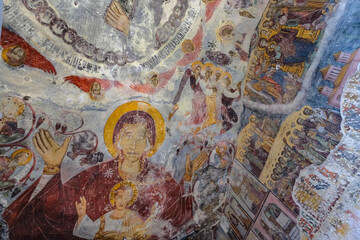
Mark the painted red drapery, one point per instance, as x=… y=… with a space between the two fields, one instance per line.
x=51 y=214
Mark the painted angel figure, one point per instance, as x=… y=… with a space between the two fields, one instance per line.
x=198 y=102
x=208 y=86
x=17 y=52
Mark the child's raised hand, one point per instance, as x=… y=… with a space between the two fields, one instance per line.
x=81 y=208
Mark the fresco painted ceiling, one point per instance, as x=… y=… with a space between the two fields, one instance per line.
x=179 y=119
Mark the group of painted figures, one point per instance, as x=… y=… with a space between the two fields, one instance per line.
x=213 y=95
x=287 y=38
x=128 y=196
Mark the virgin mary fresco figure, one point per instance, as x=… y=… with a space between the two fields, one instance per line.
x=132 y=134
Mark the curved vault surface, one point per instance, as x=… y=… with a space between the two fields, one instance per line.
x=221 y=105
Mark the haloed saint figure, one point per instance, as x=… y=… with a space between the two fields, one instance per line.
x=14 y=56
x=96 y=92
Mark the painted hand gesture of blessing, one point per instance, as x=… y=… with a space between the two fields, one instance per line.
x=81 y=208
x=51 y=152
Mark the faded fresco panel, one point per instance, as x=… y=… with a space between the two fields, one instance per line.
x=276 y=221
x=179 y=119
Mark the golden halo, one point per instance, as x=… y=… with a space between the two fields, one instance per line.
x=217 y=69
x=151 y=74
x=6 y=58
x=98 y=97
x=270 y=43
x=195 y=64
x=17 y=101
x=183 y=46
x=160 y=130
x=263 y=35
x=219 y=32
x=228 y=75
x=207 y=1
x=117 y=186
x=261 y=48
x=23 y=151
x=4 y=55
x=211 y=66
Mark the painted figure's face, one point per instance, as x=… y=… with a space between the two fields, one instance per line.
x=226 y=81
x=268 y=23
x=188 y=46
x=263 y=32
x=263 y=43
x=154 y=80
x=9 y=107
x=123 y=197
x=16 y=55
x=300 y=121
x=134 y=141
x=308 y=111
x=197 y=70
x=217 y=75
x=96 y=89
x=19 y=159
x=208 y=73
x=227 y=33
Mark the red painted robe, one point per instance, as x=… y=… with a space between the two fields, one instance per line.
x=51 y=214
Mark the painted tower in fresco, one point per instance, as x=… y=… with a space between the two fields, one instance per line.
x=339 y=75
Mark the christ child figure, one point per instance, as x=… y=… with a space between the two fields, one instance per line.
x=116 y=224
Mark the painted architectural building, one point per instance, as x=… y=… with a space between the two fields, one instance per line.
x=339 y=75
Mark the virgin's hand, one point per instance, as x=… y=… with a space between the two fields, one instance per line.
x=116 y=17
x=49 y=150
x=81 y=208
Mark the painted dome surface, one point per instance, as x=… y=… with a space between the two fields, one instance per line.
x=179 y=119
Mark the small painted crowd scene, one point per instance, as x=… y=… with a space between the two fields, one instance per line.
x=213 y=95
